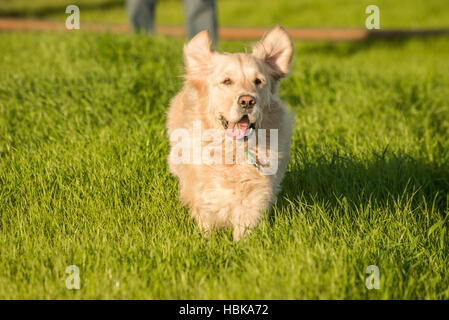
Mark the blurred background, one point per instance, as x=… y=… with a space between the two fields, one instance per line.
x=293 y=13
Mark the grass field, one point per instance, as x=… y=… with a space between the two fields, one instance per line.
x=307 y=13
x=84 y=180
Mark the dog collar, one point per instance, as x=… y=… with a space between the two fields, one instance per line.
x=251 y=159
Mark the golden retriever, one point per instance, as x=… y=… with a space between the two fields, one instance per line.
x=230 y=133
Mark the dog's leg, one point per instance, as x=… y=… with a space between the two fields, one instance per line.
x=203 y=224
x=240 y=232
x=245 y=220
x=205 y=228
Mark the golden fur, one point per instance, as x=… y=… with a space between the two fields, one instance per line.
x=231 y=195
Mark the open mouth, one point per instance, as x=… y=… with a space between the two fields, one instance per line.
x=240 y=129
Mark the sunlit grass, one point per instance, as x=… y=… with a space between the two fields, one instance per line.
x=84 y=180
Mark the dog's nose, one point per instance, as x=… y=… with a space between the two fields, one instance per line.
x=246 y=101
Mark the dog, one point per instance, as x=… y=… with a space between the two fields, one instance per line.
x=233 y=95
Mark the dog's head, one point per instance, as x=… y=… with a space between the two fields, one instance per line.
x=240 y=86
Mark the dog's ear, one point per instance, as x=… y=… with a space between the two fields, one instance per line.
x=197 y=53
x=276 y=49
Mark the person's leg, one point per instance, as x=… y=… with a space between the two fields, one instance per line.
x=200 y=15
x=141 y=14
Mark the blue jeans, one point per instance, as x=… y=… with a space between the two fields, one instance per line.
x=199 y=15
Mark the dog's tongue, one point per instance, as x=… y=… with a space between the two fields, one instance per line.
x=237 y=130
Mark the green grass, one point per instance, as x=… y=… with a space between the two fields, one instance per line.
x=84 y=180
x=308 y=13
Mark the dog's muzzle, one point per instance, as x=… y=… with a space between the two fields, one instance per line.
x=240 y=129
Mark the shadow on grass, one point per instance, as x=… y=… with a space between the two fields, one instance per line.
x=380 y=182
x=347 y=49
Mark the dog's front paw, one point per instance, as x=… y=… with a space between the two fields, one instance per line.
x=240 y=232
x=204 y=227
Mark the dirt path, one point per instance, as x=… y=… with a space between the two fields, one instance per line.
x=232 y=33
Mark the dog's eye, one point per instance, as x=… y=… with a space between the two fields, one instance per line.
x=257 y=81
x=227 y=81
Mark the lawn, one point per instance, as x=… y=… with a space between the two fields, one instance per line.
x=84 y=180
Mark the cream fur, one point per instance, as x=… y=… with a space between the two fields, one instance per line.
x=231 y=195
